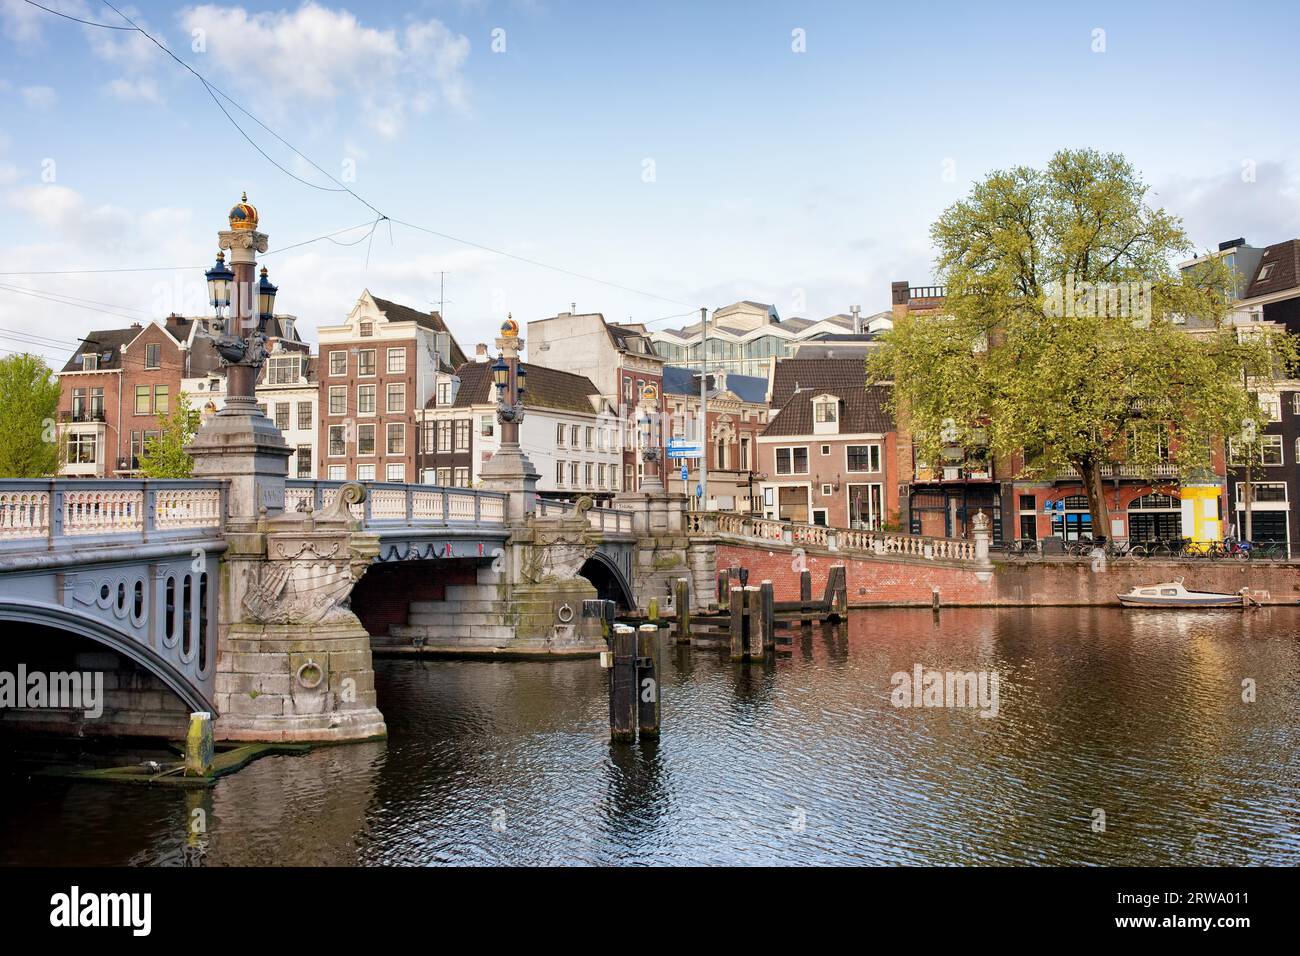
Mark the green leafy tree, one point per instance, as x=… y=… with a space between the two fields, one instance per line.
x=1068 y=338
x=164 y=454
x=29 y=406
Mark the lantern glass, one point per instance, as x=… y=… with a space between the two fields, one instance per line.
x=521 y=378
x=266 y=296
x=220 y=279
x=500 y=373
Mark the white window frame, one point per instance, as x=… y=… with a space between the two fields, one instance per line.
x=399 y=367
x=776 y=459
x=341 y=373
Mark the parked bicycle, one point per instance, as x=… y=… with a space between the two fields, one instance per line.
x=1023 y=549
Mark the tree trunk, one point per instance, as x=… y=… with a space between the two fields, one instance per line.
x=1090 y=472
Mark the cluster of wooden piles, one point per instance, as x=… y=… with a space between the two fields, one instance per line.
x=749 y=621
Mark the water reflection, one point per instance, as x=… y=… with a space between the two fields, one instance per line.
x=802 y=759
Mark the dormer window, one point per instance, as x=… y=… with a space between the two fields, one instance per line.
x=90 y=362
x=367 y=329
x=1265 y=271
x=826 y=414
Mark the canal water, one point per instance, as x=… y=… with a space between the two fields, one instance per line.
x=1138 y=715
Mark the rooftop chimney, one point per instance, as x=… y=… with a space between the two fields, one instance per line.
x=857 y=319
x=481 y=352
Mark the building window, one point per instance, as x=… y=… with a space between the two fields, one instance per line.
x=485 y=426
x=588 y=437
x=81 y=449
x=461 y=477
x=282 y=416
x=397 y=398
x=1261 y=491
x=338 y=400
x=827 y=491
x=444 y=477
x=338 y=472
x=97 y=404
x=396 y=361
x=366 y=440
x=863 y=458
x=161 y=399
x=792 y=461
x=90 y=362
x=444 y=393
x=573 y=473
x=826 y=412
x=395 y=472
x=366 y=362
x=744 y=453
x=304 y=461
x=338 y=363
x=600 y=476
x=461 y=434
x=573 y=436
x=559 y=473
x=560 y=432
x=366 y=399
x=338 y=443
x=613 y=477
x=586 y=475
x=367 y=329
x=1271 y=406
x=826 y=449
x=142 y=395
x=153 y=355
x=444 y=435
x=1270 y=450
x=283 y=369
x=365 y=472
x=78 y=404
x=396 y=439
x=304 y=415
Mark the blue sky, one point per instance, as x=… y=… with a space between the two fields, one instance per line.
x=686 y=150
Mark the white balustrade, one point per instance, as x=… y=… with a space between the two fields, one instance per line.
x=102 y=512
x=187 y=508
x=24 y=514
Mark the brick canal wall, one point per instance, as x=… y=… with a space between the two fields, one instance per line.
x=910 y=582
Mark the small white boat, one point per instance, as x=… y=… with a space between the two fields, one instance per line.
x=1174 y=594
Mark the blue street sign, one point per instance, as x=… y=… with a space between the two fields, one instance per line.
x=699 y=491
x=685 y=475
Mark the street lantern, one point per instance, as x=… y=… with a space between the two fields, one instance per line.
x=521 y=378
x=265 y=296
x=220 y=280
x=501 y=376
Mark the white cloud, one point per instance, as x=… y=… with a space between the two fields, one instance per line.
x=316 y=54
x=1230 y=205
x=21 y=21
x=127 y=90
x=9 y=174
x=40 y=97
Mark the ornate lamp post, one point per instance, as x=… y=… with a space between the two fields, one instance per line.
x=509 y=469
x=239 y=443
x=509 y=377
x=247 y=305
x=649 y=426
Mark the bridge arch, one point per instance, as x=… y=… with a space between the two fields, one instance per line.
x=611 y=584
x=83 y=625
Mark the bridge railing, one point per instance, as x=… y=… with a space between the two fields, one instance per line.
x=847 y=540
x=610 y=520
x=72 y=512
x=393 y=503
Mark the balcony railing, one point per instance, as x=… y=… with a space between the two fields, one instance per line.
x=1125 y=471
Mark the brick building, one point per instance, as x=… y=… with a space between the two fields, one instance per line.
x=570 y=433
x=737 y=415
x=830 y=449
x=620 y=360
x=377 y=367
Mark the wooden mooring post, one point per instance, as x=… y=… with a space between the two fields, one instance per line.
x=647 y=680
x=724 y=588
x=737 y=623
x=805 y=594
x=767 y=615
x=753 y=623
x=623 y=685
x=682 y=601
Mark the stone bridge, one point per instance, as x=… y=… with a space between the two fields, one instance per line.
x=163 y=574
